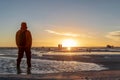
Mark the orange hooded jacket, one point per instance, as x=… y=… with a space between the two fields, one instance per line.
x=28 y=38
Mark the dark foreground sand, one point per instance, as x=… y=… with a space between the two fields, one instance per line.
x=89 y=75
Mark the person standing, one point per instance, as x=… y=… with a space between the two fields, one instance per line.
x=24 y=42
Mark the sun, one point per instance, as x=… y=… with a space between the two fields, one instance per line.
x=69 y=43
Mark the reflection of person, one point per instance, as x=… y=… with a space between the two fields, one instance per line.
x=24 y=42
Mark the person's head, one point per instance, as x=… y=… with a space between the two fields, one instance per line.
x=23 y=26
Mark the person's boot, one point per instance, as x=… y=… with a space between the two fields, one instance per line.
x=29 y=70
x=18 y=70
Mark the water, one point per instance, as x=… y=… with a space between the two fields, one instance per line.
x=40 y=66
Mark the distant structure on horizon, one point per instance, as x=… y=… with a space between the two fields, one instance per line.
x=109 y=46
x=59 y=46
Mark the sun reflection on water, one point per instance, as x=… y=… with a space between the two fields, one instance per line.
x=68 y=48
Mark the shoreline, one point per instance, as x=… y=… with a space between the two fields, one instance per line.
x=83 y=75
x=84 y=58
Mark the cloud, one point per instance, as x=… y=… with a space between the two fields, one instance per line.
x=115 y=35
x=67 y=34
x=64 y=34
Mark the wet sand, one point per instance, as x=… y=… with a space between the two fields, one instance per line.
x=110 y=61
x=85 y=75
x=94 y=58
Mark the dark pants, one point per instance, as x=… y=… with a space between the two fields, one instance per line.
x=21 y=54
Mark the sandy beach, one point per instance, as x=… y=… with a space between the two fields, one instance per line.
x=53 y=68
x=85 y=75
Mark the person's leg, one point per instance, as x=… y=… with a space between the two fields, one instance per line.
x=28 y=70
x=28 y=56
x=20 y=56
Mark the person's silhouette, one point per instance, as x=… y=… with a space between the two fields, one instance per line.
x=23 y=42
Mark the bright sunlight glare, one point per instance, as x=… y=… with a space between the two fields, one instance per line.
x=69 y=43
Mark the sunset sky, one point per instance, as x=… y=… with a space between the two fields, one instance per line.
x=87 y=22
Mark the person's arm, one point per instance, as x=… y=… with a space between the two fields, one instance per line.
x=17 y=38
x=29 y=39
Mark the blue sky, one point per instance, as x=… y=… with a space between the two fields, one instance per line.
x=96 y=20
